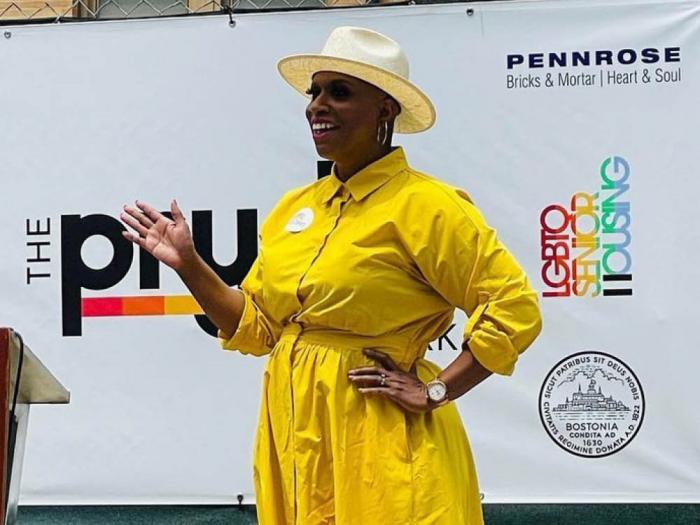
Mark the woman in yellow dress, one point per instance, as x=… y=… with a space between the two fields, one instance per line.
x=356 y=274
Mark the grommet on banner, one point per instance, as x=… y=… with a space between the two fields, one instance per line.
x=231 y=21
x=470 y=12
x=8 y=34
x=239 y=497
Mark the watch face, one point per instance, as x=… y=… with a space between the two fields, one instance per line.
x=436 y=391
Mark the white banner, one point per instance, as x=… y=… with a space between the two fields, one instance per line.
x=571 y=124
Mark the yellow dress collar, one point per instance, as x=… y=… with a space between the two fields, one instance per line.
x=369 y=178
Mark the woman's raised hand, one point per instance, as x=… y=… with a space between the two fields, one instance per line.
x=168 y=240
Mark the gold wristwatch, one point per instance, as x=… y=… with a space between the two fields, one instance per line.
x=437 y=391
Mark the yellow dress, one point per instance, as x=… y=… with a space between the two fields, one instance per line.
x=379 y=261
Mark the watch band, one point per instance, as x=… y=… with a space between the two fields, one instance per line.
x=439 y=385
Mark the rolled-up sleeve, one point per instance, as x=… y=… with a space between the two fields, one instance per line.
x=256 y=333
x=461 y=257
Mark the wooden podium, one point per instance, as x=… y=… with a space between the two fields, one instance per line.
x=36 y=385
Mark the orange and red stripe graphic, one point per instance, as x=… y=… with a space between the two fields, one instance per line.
x=140 y=305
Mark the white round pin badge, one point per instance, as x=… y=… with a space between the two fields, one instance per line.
x=301 y=220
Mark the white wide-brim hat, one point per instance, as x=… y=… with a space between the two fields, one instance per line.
x=373 y=58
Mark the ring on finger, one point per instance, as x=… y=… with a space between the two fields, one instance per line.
x=382 y=381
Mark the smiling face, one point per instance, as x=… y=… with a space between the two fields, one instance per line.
x=344 y=114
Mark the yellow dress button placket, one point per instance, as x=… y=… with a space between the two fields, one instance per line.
x=337 y=204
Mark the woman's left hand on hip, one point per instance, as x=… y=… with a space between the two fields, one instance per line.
x=387 y=379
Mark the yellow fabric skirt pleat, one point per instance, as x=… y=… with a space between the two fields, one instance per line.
x=327 y=454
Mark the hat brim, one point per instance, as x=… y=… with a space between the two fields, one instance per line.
x=417 y=111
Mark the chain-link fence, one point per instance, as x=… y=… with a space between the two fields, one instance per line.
x=57 y=10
